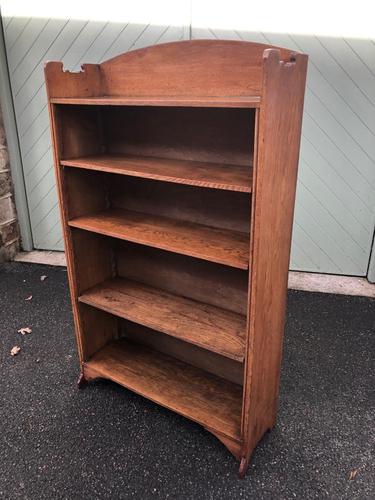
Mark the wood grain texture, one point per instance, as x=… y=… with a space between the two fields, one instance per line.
x=87 y=193
x=193 y=70
x=211 y=207
x=131 y=221
x=97 y=260
x=103 y=328
x=250 y=101
x=193 y=173
x=198 y=395
x=215 y=135
x=86 y=83
x=191 y=354
x=207 y=243
x=80 y=131
x=206 y=326
x=273 y=204
x=214 y=284
x=210 y=68
x=235 y=447
x=97 y=253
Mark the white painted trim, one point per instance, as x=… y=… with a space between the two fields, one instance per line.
x=331 y=283
x=309 y=282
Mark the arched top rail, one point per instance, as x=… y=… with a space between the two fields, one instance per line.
x=220 y=70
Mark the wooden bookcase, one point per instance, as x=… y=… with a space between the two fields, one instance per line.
x=176 y=171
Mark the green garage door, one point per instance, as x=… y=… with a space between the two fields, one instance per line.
x=335 y=208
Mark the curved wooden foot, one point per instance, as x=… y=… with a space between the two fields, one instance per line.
x=243 y=467
x=82 y=382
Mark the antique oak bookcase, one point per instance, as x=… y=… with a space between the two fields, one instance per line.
x=176 y=171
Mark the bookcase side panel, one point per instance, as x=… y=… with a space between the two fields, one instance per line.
x=278 y=143
x=93 y=329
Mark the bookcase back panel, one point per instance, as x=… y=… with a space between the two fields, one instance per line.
x=211 y=207
x=200 y=280
x=198 y=134
x=79 y=129
x=201 y=358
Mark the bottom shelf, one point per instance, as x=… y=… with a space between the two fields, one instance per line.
x=207 y=399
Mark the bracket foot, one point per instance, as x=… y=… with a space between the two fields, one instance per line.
x=243 y=467
x=82 y=382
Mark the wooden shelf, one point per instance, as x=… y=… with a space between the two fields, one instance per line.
x=222 y=246
x=207 y=399
x=193 y=173
x=176 y=101
x=206 y=326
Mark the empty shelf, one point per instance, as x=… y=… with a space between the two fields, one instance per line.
x=201 y=324
x=222 y=246
x=193 y=173
x=207 y=399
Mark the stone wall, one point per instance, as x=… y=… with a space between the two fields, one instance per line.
x=9 y=230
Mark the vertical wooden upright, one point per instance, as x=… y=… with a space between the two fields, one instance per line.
x=176 y=168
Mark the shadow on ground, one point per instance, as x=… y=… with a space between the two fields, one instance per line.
x=105 y=442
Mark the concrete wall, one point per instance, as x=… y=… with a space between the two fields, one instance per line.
x=9 y=230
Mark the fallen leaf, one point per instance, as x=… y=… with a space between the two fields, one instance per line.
x=24 y=330
x=15 y=350
x=353 y=474
x=42 y=278
x=29 y=297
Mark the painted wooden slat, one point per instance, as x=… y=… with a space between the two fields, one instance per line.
x=35 y=81
x=25 y=41
x=340 y=50
x=32 y=41
x=337 y=77
x=124 y=41
x=330 y=150
x=335 y=210
x=334 y=239
x=14 y=30
x=34 y=56
x=325 y=193
x=364 y=50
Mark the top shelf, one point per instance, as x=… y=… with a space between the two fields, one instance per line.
x=176 y=101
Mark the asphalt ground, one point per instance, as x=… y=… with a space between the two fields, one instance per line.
x=105 y=442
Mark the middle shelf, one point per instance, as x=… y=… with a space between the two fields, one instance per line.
x=222 y=246
x=193 y=173
x=204 y=325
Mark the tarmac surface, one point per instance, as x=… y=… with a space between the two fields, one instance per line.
x=105 y=442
